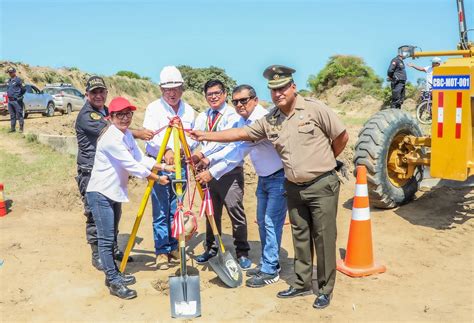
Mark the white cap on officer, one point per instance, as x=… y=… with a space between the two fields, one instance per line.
x=170 y=77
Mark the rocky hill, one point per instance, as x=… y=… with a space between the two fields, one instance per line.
x=140 y=91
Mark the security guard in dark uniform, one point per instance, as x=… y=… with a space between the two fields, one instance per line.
x=89 y=124
x=397 y=75
x=308 y=136
x=15 y=92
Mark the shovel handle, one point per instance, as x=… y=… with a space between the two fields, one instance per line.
x=183 y=188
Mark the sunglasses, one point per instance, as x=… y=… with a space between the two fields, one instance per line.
x=123 y=115
x=242 y=101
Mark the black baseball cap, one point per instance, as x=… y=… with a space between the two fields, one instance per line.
x=95 y=82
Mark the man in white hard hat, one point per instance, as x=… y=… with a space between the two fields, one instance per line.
x=435 y=62
x=157 y=116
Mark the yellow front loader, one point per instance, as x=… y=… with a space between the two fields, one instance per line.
x=392 y=146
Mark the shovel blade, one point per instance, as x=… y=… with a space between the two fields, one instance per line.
x=185 y=296
x=227 y=269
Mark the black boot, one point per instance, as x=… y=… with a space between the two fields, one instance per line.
x=11 y=130
x=122 y=291
x=126 y=280
x=95 y=258
x=21 y=129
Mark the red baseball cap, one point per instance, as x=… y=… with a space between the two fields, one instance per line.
x=119 y=103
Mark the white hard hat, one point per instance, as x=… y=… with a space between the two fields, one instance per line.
x=170 y=77
x=436 y=60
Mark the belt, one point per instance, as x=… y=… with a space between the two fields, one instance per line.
x=311 y=182
x=277 y=172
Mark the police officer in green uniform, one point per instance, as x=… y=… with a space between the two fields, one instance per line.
x=90 y=123
x=308 y=136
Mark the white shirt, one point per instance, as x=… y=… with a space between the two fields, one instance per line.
x=228 y=119
x=263 y=155
x=429 y=77
x=117 y=156
x=158 y=115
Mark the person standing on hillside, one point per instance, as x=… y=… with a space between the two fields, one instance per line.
x=90 y=122
x=308 y=136
x=157 y=116
x=15 y=92
x=397 y=76
x=228 y=190
x=271 y=194
x=435 y=62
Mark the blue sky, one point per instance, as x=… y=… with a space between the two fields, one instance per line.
x=243 y=37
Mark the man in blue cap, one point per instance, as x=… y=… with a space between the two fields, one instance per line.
x=15 y=92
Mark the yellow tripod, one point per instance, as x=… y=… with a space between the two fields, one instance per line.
x=223 y=263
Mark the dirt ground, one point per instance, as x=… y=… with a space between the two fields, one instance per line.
x=46 y=273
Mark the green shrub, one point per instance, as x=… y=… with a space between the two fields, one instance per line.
x=52 y=77
x=342 y=69
x=129 y=74
x=3 y=78
x=195 y=78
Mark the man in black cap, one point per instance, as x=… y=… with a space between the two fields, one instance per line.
x=89 y=125
x=397 y=76
x=15 y=92
x=308 y=136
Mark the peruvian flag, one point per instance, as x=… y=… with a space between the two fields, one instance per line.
x=177 y=228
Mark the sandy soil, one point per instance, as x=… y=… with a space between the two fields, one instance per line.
x=46 y=274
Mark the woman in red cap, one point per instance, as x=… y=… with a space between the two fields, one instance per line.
x=117 y=157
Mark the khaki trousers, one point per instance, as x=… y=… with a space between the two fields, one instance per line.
x=313 y=210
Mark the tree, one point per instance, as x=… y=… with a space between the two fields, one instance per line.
x=195 y=78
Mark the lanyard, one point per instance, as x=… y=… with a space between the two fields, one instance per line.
x=211 y=126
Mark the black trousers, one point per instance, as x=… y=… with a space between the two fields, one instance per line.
x=398 y=94
x=228 y=191
x=15 y=108
x=82 y=178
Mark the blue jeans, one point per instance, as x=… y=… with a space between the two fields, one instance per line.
x=271 y=212
x=106 y=213
x=164 y=202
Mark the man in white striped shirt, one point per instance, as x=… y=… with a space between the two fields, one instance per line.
x=271 y=194
x=228 y=191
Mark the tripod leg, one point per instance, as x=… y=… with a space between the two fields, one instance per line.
x=141 y=210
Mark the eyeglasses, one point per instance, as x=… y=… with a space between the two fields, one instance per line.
x=171 y=89
x=211 y=94
x=122 y=115
x=242 y=101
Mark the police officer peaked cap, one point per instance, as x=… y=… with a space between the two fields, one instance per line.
x=11 y=70
x=95 y=82
x=278 y=76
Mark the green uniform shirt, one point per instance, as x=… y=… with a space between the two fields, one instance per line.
x=303 y=139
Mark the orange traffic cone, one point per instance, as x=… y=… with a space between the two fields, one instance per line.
x=359 y=260
x=3 y=204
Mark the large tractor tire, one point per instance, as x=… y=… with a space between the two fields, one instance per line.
x=378 y=142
